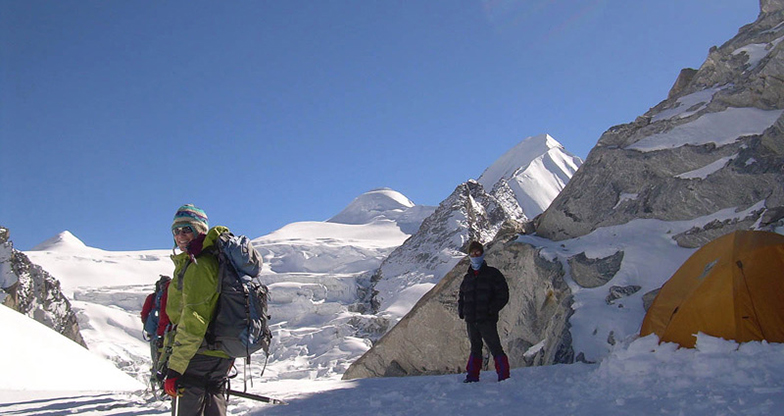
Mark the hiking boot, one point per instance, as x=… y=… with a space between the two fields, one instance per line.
x=502 y=366
x=473 y=367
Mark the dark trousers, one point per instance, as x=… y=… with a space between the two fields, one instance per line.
x=486 y=331
x=203 y=387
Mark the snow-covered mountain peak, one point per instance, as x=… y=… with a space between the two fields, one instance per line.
x=382 y=202
x=518 y=157
x=65 y=241
x=536 y=169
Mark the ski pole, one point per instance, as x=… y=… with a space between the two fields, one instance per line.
x=256 y=397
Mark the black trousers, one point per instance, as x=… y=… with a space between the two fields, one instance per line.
x=486 y=331
x=203 y=387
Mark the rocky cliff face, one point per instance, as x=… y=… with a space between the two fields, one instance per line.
x=524 y=181
x=704 y=162
x=417 y=265
x=518 y=186
x=714 y=143
x=431 y=338
x=771 y=6
x=28 y=289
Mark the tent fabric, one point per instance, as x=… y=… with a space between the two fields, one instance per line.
x=732 y=287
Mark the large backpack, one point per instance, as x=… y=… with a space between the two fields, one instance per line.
x=240 y=326
x=151 y=324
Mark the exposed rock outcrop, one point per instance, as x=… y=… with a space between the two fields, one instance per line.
x=469 y=213
x=770 y=6
x=518 y=186
x=431 y=338
x=30 y=290
x=715 y=143
x=588 y=272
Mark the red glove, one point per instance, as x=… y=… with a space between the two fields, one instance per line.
x=170 y=384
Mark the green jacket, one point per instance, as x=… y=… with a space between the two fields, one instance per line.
x=192 y=298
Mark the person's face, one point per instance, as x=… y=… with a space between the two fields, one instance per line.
x=183 y=236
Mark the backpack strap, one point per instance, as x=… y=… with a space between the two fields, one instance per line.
x=215 y=250
x=181 y=275
x=158 y=297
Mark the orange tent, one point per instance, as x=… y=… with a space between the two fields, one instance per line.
x=732 y=287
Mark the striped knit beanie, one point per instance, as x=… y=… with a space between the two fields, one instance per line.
x=189 y=214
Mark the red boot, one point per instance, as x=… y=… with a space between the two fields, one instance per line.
x=502 y=366
x=473 y=368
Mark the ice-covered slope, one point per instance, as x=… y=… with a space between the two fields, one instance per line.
x=323 y=247
x=76 y=265
x=311 y=268
x=384 y=204
x=354 y=241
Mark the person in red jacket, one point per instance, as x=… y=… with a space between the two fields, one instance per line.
x=155 y=319
x=149 y=302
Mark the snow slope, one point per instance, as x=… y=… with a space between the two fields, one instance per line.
x=638 y=378
x=34 y=357
x=647 y=262
x=719 y=128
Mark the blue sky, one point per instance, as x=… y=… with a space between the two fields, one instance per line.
x=264 y=113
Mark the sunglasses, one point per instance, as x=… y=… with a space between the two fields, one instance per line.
x=186 y=229
x=475 y=253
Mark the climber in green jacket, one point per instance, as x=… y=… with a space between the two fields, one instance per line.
x=196 y=376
